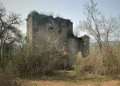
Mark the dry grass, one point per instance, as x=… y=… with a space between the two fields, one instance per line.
x=105 y=63
x=65 y=83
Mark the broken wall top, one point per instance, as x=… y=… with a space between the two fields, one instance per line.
x=43 y=19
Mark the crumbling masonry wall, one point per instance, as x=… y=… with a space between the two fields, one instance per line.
x=56 y=31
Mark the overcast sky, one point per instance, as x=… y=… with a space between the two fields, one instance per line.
x=70 y=9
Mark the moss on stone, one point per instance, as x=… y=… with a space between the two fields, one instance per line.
x=85 y=39
x=40 y=18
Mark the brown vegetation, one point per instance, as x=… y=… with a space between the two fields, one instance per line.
x=105 y=63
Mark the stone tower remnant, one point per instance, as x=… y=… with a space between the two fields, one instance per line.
x=42 y=28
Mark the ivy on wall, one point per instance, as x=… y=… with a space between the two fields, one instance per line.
x=40 y=18
x=85 y=39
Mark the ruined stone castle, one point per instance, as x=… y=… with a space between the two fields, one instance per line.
x=57 y=31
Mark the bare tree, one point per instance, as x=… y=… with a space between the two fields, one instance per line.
x=8 y=28
x=110 y=29
x=97 y=25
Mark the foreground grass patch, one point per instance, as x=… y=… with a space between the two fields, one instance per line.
x=118 y=84
x=68 y=77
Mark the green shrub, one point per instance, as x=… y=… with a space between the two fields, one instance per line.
x=78 y=67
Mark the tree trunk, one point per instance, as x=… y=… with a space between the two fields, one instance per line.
x=99 y=45
x=1 y=52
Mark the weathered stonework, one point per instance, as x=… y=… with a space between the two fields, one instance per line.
x=59 y=32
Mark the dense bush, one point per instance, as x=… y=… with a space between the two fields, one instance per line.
x=7 y=80
x=33 y=62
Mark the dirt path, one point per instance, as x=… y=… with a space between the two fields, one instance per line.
x=64 y=83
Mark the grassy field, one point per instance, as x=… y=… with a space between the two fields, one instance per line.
x=61 y=78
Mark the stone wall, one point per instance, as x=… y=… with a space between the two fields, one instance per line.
x=73 y=47
x=57 y=32
x=54 y=31
x=84 y=45
x=29 y=30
